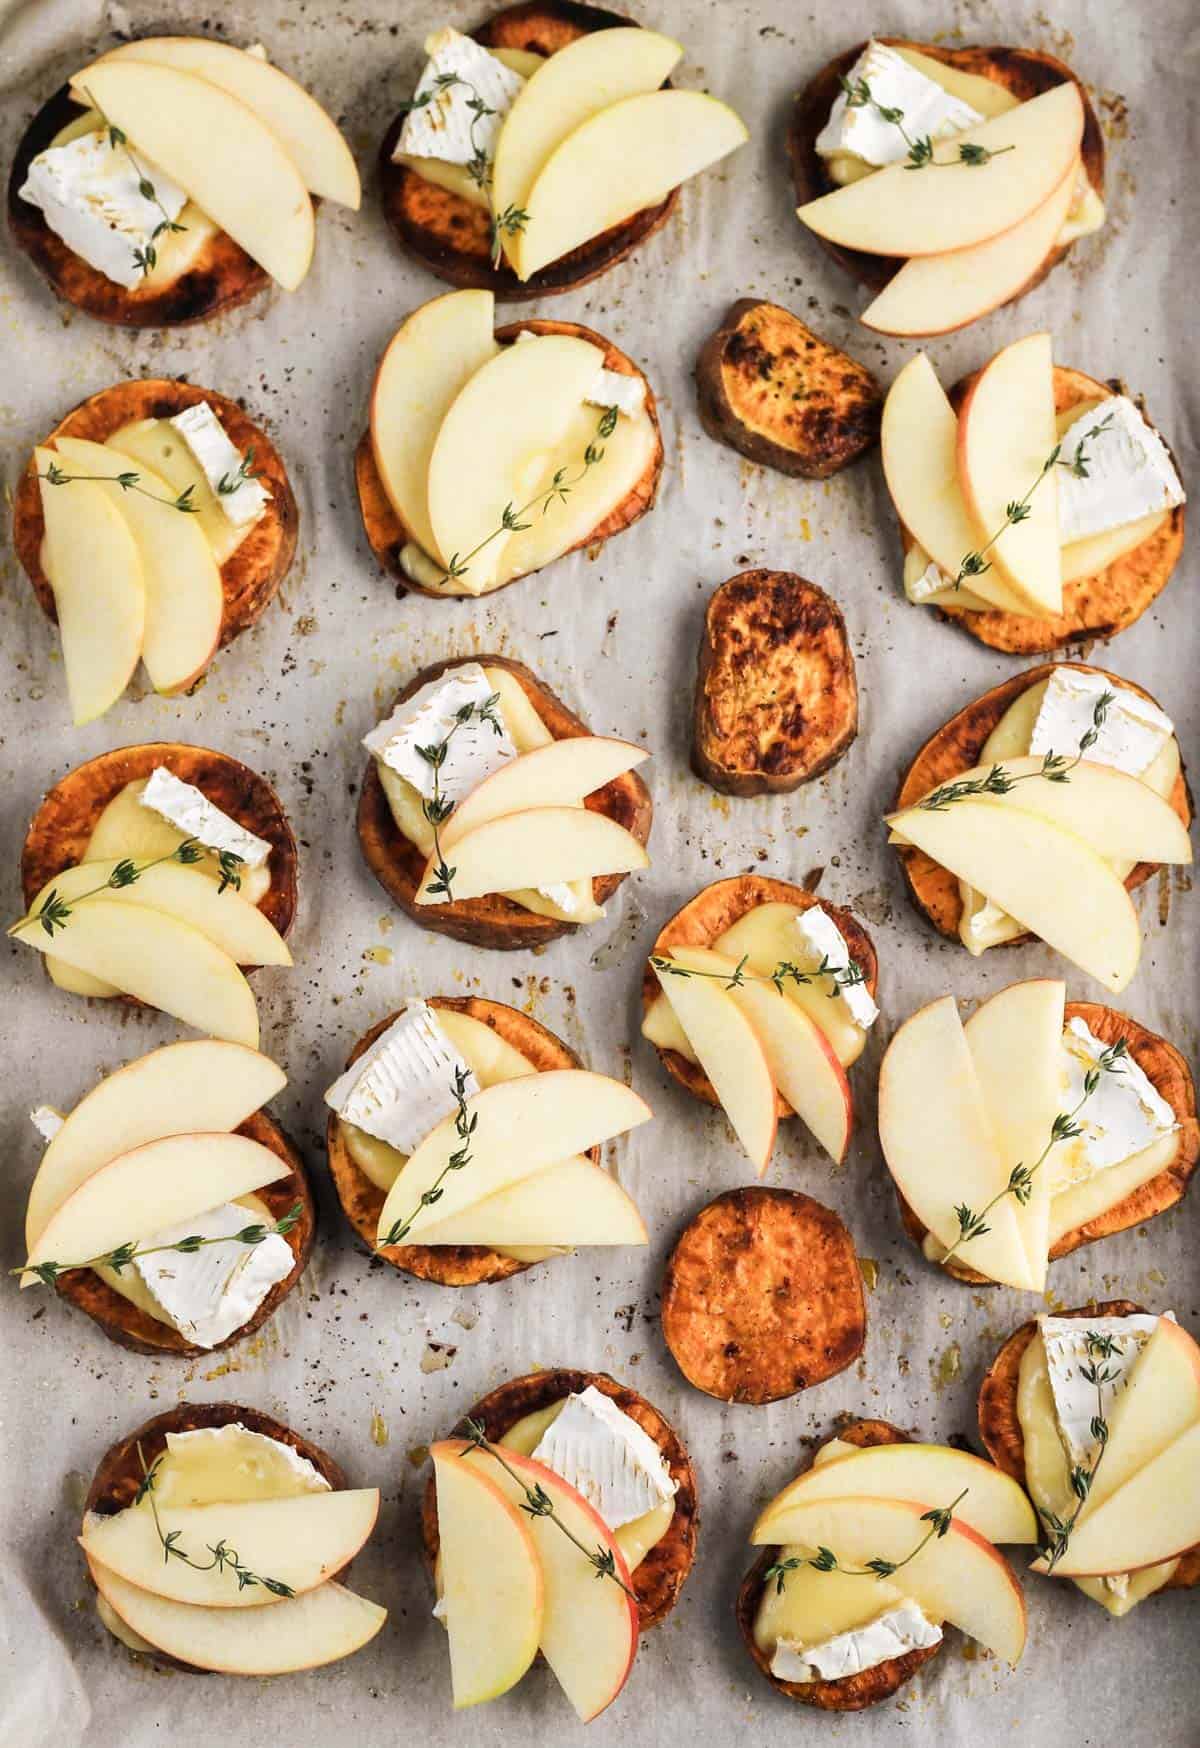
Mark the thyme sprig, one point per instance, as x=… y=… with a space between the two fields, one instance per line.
x=224 y=1558
x=841 y=977
x=437 y=808
x=1055 y=768
x=538 y=1503
x=464 y=1124
x=146 y=258
x=479 y=166
x=123 y=1255
x=973 y=564
x=128 y=482
x=1020 y=1181
x=825 y=1560
x=55 y=912
x=505 y=224
x=920 y=149
x=245 y=470
x=1100 y=1348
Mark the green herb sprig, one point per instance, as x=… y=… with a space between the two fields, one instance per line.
x=128 y=482
x=505 y=224
x=825 y=1560
x=479 y=167
x=224 y=1558
x=1055 y=768
x=841 y=977
x=55 y=912
x=145 y=258
x=437 y=808
x=245 y=470
x=125 y=1254
x=920 y=150
x=464 y=1123
x=1100 y=1348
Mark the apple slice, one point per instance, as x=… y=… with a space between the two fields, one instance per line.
x=299 y=1542
x=427 y=364
x=307 y=134
x=232 y=165
x=1152 y=1517
x=1088 y=557
x=160 y=960
x=492 y=445
x=628 y=156
x=156 y=444
x=940 y=1142
x=802 y=1064
x=958 y=1577
x=559 y=774
x=1006 y=435
x=766 y=937
x=572 y=1203
x=1015 y=1041
x=95 y=570
x=536 y=848
x=934 y=294
x=523 y=1126
x=590 y=1628
x=1041 y=874
x=1088 y=1201
x=492 y=1579
x=149 y=1189
x=727 y=1045
x=901 y=211
x=203 y=1086
x=580 y=79
x=1158 y=1405
x=302 y=1632
x=241 y=931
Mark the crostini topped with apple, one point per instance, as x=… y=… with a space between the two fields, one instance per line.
x=464 y=1141
x=168 y=1205
x=870 y=137
x=218 y=1540
x=1037 y=505
x=1037 y=1126
x=543 y=148
x=172 y=179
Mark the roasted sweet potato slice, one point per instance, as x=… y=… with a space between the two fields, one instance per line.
x=1024 y=72
x=1000 y=1424
x=957 y=747
x=387 y=533
x=131 y=1327
x=219 y=279
x=763 y=1297
x=1168 y=1072
x=491 y=921
x=1098 y=606
x=776 y=696
x=251 y=576
x=713 y=911
x=662 y=1574
x=450 y=1265
x=853 y=1693
x=783 y=397
x=452 y=237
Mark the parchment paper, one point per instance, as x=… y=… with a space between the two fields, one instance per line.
x=358 y=1345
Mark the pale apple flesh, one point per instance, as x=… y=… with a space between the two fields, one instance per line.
x=538 y=847
x=1152 y=1517
x=1159 y=1404
x=572 y=1203
x=802 y=1064
x=558 y=774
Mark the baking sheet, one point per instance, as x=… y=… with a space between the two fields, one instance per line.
x=358 y=1347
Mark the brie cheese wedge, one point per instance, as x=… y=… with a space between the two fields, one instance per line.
x=607 y=1457
x=829 y=947
x=207 y=1294
x=901 y=1629
x=404 y=1084
x=1124 y=1114
x=190 y=811
x=1076 y=1399
x=1128 y=471
x=858 y=129
x=90 y=193
x=473 y=751
x=230 y=1463
x=1130 y=736
x=459 y=106
x=242 y=497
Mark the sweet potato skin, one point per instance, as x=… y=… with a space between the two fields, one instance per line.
x=772 y=389
x=776 y=699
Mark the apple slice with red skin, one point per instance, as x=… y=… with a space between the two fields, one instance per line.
x=558 y=774
x=802 y=1064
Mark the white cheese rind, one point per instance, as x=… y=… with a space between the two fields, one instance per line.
x=403 y=1085
x=1075 y=1398
x=191 y=812
x=1129 y=471
x=207 y=1294
x=47 y=1121
x=828 y=943
x=927 y=109
x=1130 y=738
x=1124 y=1114
x=614 y=388
x=607 y=1457
x=203 y=1440
x=90 y=195
x=447 y=127
x=426 y=719
x=220 y=460
x=901 y=1629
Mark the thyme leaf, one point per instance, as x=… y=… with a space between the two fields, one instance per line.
x=128 y=482
x=224 y=1558
x=55 y=912
x=840 y=977
x=464 y=1124
x=920 y=149
x=939 y=1520
x=1055 y=768
x=123 y=1255
x=438 y=808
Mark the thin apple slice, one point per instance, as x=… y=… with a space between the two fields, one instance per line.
x=901 y=211
x=536 y=848
x=590 y=1627
x=492 y=1580
x=149 y=1189
x=558 y=774
x=1046 y=877
x=575 y=1202
x=802 y=1064
x=768 y=936
x=202 y=1086
x=299 y=1542
x=302 y=1632
x=993 y=1505
x=307 y=134
x=940 y=1142
x=628 y=156
x=241 y=931
x=160 y=960
x=523 y=1127
x=934 y=294
x=232 y=165
x=1154 y=1516
x=1075 y=1206
x=727 y=1045
x=1157 y=1406
x=1006 y=437
x=1087 y=558
x=94 y=567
